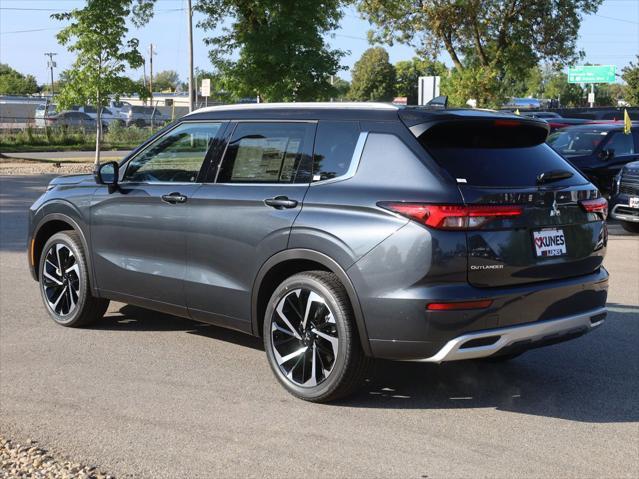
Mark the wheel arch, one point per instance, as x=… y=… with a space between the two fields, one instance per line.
x=49 y=225
x=292 y=261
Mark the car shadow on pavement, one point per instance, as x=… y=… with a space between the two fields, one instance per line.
x=591 y=379
x=134 y=318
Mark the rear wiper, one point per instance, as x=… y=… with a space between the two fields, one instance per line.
x=553 y=175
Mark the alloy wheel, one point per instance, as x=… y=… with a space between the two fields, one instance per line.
x=304 y=337
x=61 y=279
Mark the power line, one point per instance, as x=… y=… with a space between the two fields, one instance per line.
x=29 y=31
x=616 y=19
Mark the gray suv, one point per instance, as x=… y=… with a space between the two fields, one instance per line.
x=338 y=233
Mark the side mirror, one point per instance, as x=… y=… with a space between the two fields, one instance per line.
x=107 y=174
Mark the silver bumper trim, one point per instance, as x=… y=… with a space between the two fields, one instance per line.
x=621 y=216
x=453 y=350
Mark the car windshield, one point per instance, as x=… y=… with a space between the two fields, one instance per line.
x=581 y=142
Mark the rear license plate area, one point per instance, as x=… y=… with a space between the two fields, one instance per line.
x=549 y=242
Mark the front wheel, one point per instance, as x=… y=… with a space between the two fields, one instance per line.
x=630 y=227
x=311 y=340
x=64 y=282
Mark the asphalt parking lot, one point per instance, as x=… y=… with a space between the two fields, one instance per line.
x=150 y=395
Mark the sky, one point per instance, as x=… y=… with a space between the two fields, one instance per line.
x=611 y=36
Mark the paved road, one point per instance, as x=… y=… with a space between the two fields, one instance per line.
x=151 y=395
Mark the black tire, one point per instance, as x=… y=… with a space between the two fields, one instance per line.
x=65 y=290
x=630 y=227
x=348 y=366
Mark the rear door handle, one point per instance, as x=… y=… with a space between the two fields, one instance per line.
x=174 y=198
x=280 y=202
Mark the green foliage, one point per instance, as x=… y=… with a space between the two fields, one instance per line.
x=274 y=49
x=373 y=77
x=630 y=75
x=342 y=88
x=57 y=137
x=96 y=33
x=499 y=40
x=13 y=82
x=569 y=94
x=167 y=80
x=479 y=83
x=408 y=73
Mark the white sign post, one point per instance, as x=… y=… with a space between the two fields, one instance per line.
x=205 y=90
x=428 y=88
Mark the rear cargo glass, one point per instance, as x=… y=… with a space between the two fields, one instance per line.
x=493 y=156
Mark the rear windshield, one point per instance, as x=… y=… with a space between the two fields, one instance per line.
x=502 y=158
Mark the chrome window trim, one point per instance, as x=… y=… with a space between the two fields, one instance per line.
x=122 y=181
x=354 y=163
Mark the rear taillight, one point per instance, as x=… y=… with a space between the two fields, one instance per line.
x=460 y=305
x=599 y=205
x=453 y=217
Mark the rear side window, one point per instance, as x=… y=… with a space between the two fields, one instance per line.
x=267 y=153
x=334 y=146
x=504 y=157
x=621 y=143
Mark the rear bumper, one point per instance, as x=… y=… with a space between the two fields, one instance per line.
x=493 y=341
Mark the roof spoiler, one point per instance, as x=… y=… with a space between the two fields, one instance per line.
x=438 y=102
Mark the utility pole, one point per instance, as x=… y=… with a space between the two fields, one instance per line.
x=51 y=64
x=189 y=16
x=144 y=72
x=151 y=53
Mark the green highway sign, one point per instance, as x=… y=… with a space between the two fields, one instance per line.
x=592 y=74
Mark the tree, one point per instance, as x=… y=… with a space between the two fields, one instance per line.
x=13 y=82
x=568 y=94
x=96 y=34
x=408 y=73
x=342 y=88
x=500 y=40
x=630 y=75
x=373 y=77
x=274 y=49
x=167 y=80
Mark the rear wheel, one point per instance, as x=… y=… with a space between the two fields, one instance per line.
x=311 y=340
x=630 y=227
x=64 y=282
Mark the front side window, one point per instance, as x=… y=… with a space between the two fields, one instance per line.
x=176 y=156
x=334 y=146
x=267 y=153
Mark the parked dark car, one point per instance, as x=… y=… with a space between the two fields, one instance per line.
x=338 y=233
x=624 y=204
x=141 y=116
x=598 y=150
x=72 y=119
x=544 y=115
x=558 y=123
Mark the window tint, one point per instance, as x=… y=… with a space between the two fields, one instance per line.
x=579 y=142
x=621 y=143
x=266 y=153
x=89 y=109
x=176 y=156
x=503 y=167
x=334 y=146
